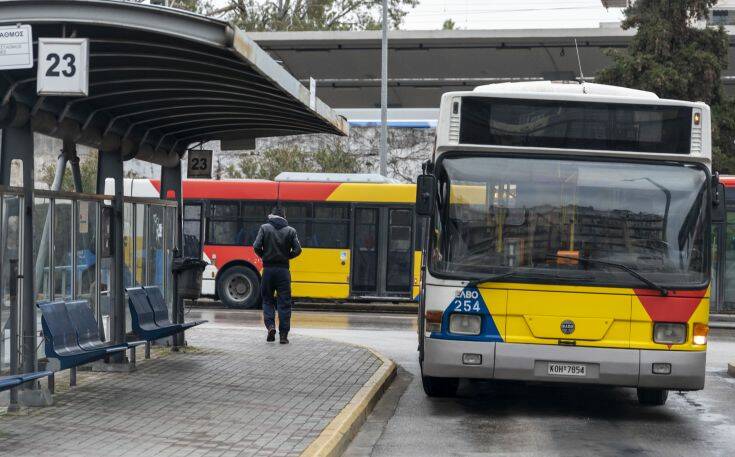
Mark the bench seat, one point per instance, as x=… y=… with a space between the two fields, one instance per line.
x=8 y=382
x=62 y=342
x=149 y=314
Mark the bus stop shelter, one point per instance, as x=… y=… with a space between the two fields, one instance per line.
x=160 y=81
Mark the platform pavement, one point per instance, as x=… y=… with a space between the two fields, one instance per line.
x=231 y=394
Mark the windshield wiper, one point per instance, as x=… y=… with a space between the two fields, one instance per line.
x=662 y=290
x=495 y=277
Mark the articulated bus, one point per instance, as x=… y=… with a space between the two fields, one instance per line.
x=722 y=298
x=569 y=239
x=357 y=232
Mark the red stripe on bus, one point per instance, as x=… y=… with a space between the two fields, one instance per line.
x=227 y=190
x=307 y=191
x=678 y=306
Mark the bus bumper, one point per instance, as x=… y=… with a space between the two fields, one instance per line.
x=529 y=362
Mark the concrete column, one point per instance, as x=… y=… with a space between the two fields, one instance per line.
x=110 y=165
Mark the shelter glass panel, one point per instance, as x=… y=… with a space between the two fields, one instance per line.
x=140 y=242
x=61 y=249
x=86 y=247
x=41 y=209
x=156 y=253
x=128 y=245
x=9 y=253
x=169 y=230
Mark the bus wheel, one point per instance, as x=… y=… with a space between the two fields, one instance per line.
x=239 y=287
x=652 y=397
x=440 y=387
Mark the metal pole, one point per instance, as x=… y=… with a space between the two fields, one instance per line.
x=14 y=340
x=43 y=248
x=384 y=95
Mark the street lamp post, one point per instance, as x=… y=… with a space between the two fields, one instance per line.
x=384 y=95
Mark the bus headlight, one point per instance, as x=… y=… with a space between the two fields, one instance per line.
x=465 y=324
x=668 y=333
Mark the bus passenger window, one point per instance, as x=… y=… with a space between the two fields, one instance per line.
x=330 y=227
x=192 y=230
x=223 y=226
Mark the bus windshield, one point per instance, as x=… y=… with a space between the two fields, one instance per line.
x=535 y=216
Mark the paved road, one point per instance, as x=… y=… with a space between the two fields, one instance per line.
x=519 y=419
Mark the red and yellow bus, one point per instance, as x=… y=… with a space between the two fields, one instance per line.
x=358 y=233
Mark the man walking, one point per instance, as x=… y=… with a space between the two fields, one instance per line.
x=277 y=243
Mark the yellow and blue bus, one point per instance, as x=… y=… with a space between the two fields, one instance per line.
x=569 y=239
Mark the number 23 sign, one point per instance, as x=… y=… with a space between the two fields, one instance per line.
x=63 y=66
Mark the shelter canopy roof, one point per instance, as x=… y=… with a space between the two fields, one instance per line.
x=160 y=80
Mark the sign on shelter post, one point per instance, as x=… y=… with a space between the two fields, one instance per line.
x=16 y=47
x=199 y=164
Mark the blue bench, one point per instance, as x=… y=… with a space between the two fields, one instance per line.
x=72 y=337
x=8 y=382
x=149 y=314
x=160 y=310
x=87 y=329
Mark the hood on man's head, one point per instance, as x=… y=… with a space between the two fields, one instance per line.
x=277 y=221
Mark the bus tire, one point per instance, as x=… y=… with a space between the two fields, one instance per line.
x=440 y=387
x=652 y=397
x=239 y=287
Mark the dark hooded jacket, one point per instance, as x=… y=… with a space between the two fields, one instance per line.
x=277 y=242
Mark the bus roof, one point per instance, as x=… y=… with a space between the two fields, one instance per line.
x=564 y=87
x=294 y=176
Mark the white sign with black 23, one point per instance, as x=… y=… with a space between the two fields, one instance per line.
x=63 y=67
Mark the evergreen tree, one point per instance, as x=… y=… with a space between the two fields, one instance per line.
x=673 y=57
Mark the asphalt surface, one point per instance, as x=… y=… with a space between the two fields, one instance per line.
x=501 y=418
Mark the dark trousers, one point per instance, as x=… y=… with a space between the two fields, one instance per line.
x=276 y=280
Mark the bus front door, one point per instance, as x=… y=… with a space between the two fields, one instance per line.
x=382 y=254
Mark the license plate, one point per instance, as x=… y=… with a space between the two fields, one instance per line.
x=567 y=369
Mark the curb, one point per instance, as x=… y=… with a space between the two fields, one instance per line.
x=731 y=369
x=335 y=438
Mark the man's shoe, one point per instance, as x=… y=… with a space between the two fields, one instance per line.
x=271 y=335
x=284 y=338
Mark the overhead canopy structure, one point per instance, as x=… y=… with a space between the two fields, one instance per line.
x=160 y=80
x=424 y=64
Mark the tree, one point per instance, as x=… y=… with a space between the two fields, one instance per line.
x=87 y=168
x=271 y=162
x=673 y=58
x=449 y=24
x=301 y=15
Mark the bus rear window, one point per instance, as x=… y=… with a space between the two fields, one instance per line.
x=576 y=125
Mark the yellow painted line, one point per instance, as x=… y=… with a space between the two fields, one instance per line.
x=335 y=438
x=314 y=320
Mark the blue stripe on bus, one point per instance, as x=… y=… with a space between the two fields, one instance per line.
x=464 y=305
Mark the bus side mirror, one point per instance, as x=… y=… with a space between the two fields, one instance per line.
x=718 y=203
x=425 y=194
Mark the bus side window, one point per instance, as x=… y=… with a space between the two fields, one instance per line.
x=223 y=225
x=330 y=226
x=298 y=214
x=192 y=230
x=254 y=214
